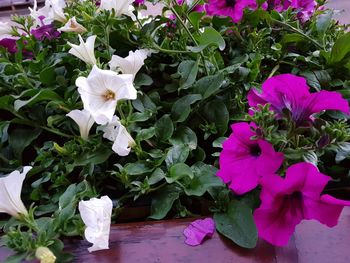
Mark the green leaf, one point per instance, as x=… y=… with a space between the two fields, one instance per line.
x=68 y=196
x=178 y=171
x=48 y=75
x=177 y=154
x=216 y=112
x=204 y=178
x=209 y=85
x=20 y=138
x=164 y=128
x=237 y=224
x=143 y=80
x=137 y=168
x=184 y=135
x=145 y=134
x=188 y=70
x=100 y=155
x=163 y=200
x=156 y=176
x=182 y=107
x=209 y=37
x=15 y=258
x=36 y=96
x=340 y=49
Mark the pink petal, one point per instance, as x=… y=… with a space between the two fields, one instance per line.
x=198 y=230
x=327 y=100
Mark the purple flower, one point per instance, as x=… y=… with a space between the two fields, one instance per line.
x=231 y=8
x=306 y=8
x=45 y=31
x=198 y=230
x=243 y=160
x=286 y=202
x=9 y=44
x=290 y=92
x=139 y=2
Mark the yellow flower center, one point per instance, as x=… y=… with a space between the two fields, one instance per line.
x=109 y=95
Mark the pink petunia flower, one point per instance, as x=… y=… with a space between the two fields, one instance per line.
x=243 y=160
x=198 y=230
x=9 y=44
x=306 y=8
x=231 y=8
x=286 y=202
x=290 y=92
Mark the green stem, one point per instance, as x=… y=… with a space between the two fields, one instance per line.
x=291 y=28
x=274 y=71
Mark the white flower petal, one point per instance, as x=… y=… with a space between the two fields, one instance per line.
x=5 y=29
x=72 y=26
x=96 y=214
x=10 y=193
x=121 y=7
x=130 y=64
x=85 y=50
x=84 y=120
x=101 y=90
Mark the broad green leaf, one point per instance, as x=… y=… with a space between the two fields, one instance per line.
x=48 y=75
x=216 y=112
x=340 y=49
x=164 y=128
x=208 y=85
x=184 y=135
x=209 y=37
x=137 y=168
x=237 y=224
x=177 y=154
x=156 y=176
x=36 y=96
x=188 y=70
x=178 y=171
x=204 y=178
x=68 y=196
x=163 y=200
x=100 y=155
x=145 y=134
x=20 y=138
x=143 y=80
x=182 y=107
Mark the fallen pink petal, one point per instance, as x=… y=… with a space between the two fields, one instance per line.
x=198 y=230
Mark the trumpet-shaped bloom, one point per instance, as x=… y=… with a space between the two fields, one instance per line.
x=101 y=91
x=10 y=193
x=231 y=8
x=291 y=92
x=52 y=11
x=85 y=51
x=198 y=230
x=286 y=202
x=45 y=32
x=243 y=160
x=121 y=7
x=5 y=29
x=84 y=120
x=96 y=215
x=117 y=133
x=72 y=26
x=130 y=64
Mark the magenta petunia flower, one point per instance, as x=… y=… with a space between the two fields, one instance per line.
x=198 y=230
x=9 y=44
x=290 y=92
x=139 y=2
x=45 y=31
x=231 y=8
x=306 y=8
x=286 y=202
x=243 y=160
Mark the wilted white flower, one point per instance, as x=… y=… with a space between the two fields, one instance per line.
x=72 y=26
x=96 y=214
x=130 y=64
x=45 y=255
x=5 y=29
x=85 y=50
x=117 y=133
x=10 y=193
x=84 y=120
x=121 y=7
x=101 y=91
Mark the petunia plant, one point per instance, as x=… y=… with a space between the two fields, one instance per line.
x=234 y=109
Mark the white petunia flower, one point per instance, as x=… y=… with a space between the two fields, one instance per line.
x=45 y=255
x=72 y=26
x=5 y=29
x=121 y=7
x=51 y=11
x=101 y=91
x=84 y=120
x=130 y=64
x=10 y=193
x=85 y=50
x=117 y=133
x=96 y=214
x=56 y=11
